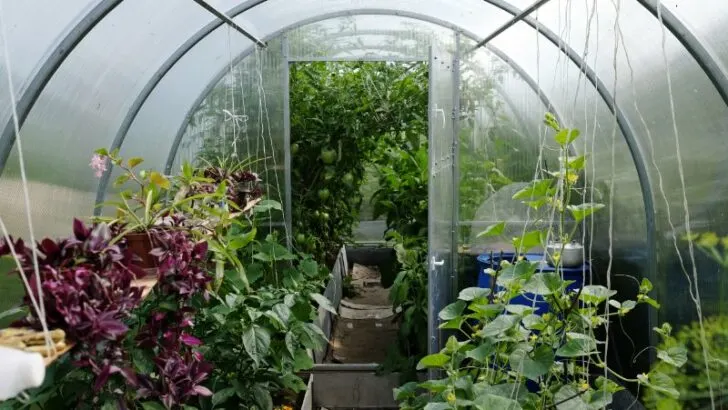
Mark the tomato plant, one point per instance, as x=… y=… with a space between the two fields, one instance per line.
x=341 y=114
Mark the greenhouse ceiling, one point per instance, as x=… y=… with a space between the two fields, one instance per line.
x=105 y=71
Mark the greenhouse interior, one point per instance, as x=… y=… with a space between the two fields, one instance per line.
x=337 y=204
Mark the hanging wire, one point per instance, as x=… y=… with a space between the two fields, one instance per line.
x=694 y=288
x=38 y=305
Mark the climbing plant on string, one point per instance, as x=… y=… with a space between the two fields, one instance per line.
x=516 y=356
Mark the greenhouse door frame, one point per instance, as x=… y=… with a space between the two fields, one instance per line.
x=442 y=278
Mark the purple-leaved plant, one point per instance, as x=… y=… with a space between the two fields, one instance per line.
x=87 y=291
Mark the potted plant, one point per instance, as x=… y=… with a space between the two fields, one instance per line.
x=139 y=209
x=87 y=291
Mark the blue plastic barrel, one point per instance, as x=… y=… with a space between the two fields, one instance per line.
x=527 y=299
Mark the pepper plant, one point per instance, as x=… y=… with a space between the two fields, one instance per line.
x=504 y=355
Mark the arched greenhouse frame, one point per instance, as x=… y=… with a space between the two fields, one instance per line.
x=645 y=83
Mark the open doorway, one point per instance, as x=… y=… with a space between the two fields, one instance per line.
x=359 y=176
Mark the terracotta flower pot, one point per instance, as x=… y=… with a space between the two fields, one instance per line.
x=140 y=244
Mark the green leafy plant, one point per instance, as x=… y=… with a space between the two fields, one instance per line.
x=140 y=209
x=340 y=118
x=409 y=297
x=686 y=346
x=683 y=362
x=504 y=355
x=275 y=326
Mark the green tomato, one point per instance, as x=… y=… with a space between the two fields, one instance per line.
x=323 y=194
x=348 y=178
x=328 y=156
x=294 y=149
x=329 y=174
x=300 y=238
x=325 y=216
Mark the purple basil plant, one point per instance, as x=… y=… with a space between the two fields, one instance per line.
x=87 y=291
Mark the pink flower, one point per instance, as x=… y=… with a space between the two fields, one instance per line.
x=98 y=164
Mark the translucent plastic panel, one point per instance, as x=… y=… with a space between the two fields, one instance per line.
x=242 y=118
x=500 y=144
x=472 y=16
x=697 y=151
x=83 y=104
x=33 y=27
x=706 y=20
x=403 y=37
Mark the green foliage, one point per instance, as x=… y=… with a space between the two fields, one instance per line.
x=409 y=297
x=258 y=341
x=256 y=323
x=683 y=362
x=505 y=356
x=341 y=114
x=403 y=188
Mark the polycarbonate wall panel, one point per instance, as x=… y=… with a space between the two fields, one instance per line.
x=643 y=92
x=473 y=16
x=83 y=104
x=706 y=20
x=500 y=143
x=33 y=27
x=243 y=116
x=365 y=35
x=441 y=190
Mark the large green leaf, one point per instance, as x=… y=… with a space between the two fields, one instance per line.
x=452 y=311
x=469 y=294
x=482 y=352
x=437 y=360
x=221 y=396
x=535 y=190
x=529 y=241
x=520 y=270
x=438 y=406
x=568 y=398
x=493 y=230
x=596 y=294
x=579 y=212
x=262 y=397
x=660 y=382
x=256 y=341
x=493 y=402
x=309 y=268
x=302 y=361
x=532 y=364
x=499 y=325
x=577 y=344
x=310 y=335
x=539 y=284
x=324 y=303
x=241 y=241
x=566 y=136
x=267 y=205
x=676 y=355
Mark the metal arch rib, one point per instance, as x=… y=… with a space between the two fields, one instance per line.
x=703 y=55
x=623 y=123
x=45 y=71
x=149 y=87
